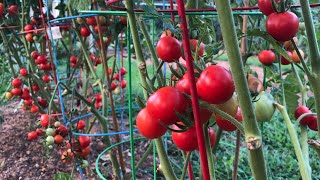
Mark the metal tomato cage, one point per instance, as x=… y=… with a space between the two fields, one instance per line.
x=121 y=11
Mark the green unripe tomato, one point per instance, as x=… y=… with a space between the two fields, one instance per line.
x=49 y=140
x=50 y=132
x=50 y=147
x=264 y=107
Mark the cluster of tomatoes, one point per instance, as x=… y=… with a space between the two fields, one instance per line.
x=118 y=77
x=282 y=26
x=54 y=133
x=12 y=10
x=311 y=121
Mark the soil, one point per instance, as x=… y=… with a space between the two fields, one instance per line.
x=21 y=158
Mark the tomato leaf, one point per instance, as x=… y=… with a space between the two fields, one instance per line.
x=185 y=120
x=140 y=102
x=175 y=73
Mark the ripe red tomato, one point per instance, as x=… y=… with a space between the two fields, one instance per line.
x=123 y=20
x=13 y=10
x=16 y=91
x=58 y=139
x=205 y=115
x=313 y=124
x=98 y=61
x=123 y=71
x=46 y=78
x=43 y=102
x=23 y=72
x=85 y=152
x=212 y=136
x=183 y=85
x=194 y=44
x=42 y=58
x=34 y=109
x=149 y=126
x=300 y=110
x=285 y=61
x=34 y=54
x=164 y=103
x=215 y=85
x=169 y=49
x=84 y=141
x=91 y=21
x=62 y=130
x=116 y=77
x=186 y=141
x=267 y=57
x=98 y=97
x=28 y=27
x=25 y=94
x=265 y=6
x=109 y=71
x=98 y=104
x=123 y=84
x=45 y=66
x=102 y=28
x=73 y=59
x=113 y=85
x=16 y=82
x=1 y=9
x=81 y=125
x=282 y=26
x=28 y=102
x=67 y=156
x=44 y=120
x=39 y=132
x=32 y=135
x=225 y=124
x=35 y=88
x=85 y=32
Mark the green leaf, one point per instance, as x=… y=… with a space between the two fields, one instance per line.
x=140 y=102
x=62 y=176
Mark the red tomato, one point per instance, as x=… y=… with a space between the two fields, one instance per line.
x=25 y=94
x=67 y=156
x=98 y=61
x=32 y=135
x=205 y=115
x=16 y=82
x=102 y=28
x=34 y=109
x=85 y=152
x=148 y=126
x=34 y=55
x=98 y=97
x=265 y=6
x=73 y=59
x=43 y=102
x=62 y=130
x=85 y=32
x=166 y=33
x=113 y=85
x=1 y=9
x=91 y=21
x=109 y=71
x=186 y=141
x=23 y=72
x=28 y=27
x=183 y=85
x=84 y=141
x=81 y=124
x=35 y=88
x=29 y=37
x=282 y=26
x=123 y=84
x=169 y=49
x=98 y=105
x=225 y=124
x=165 y=102
x=44 y=120
x=215 y=85
x=313 y=124
x=13 y=10
x=123 y=71
x=285 y=61
x=212 y=136
x=39 y=132
x=58 y=139
x=123 y=20
x=267 y=57
x=16 y=91
x=28 y=102
x=300 y=110
x=46 y=78
x=41 y=59
x=116 y=77
x=194 y=44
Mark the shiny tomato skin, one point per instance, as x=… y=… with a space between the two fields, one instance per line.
x=186 y=141
x=32 y=135
x=193 y=46
x=28 y=27
x=169 y=49
x=227 y=125
x=2 y=7
x=313 y=124
x=85 y=32
x=84 y=141
x=148 y=126
x=16 y=91
x=46 y=78
x=215 y=85
x=91 y=21
x=81 y=125
x=58 y=139
x=23 y=72
x=267 y=57
x=183 y=85
x=212 y=136
x=34 y=109
x=285 y=61
x=13 y=10
x=265 y=6
x=16 y=82
x=282 y=26
x=85 y=152
x=164 y=103
x=300 y=110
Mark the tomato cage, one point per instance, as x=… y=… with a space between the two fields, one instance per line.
x=80 y=89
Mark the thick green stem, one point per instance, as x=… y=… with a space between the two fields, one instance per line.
x=314 y=55
x=252 y=132
x=164 y=160
x=295 y=141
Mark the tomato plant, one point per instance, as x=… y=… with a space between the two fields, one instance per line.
x=169 y=49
